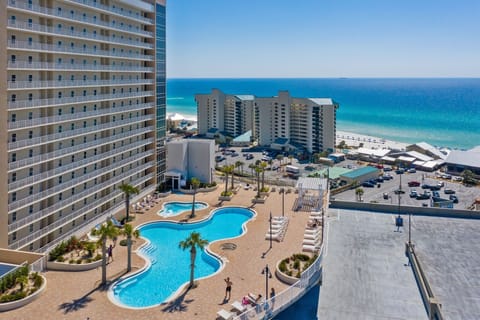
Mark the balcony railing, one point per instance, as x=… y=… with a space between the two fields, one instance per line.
x=68 y=16
x=69 y=117
x=38 y=178
x=42 y=232
x=75 y=149
x=110 y=9
x=53 y=66
x=83 y=51
x=50 y=192
x=67 y=134
x=22 y=25
x=41 y=84
x=52 y=102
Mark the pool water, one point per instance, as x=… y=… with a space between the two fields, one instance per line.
x=171 y=209
x=5 y=268
x=170 y=265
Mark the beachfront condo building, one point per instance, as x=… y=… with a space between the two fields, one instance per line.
x=83 y=96
x=281 y=121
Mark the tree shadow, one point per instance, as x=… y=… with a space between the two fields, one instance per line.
x=180 y=304
x=82 y=302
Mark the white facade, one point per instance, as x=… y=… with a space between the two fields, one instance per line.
x=191 y=158
x=308 y=123
x=78 y=115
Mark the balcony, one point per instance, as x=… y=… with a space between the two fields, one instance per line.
x=117 y=11
x=57 y=171
x=57 y=188
x=55 y=14
x=67 y=134
x=35 y=160
x=52 y=102
x=40 y=84
x=40 y=215
x=52 y=66
x=45 y=121
x=83 y=51
x=43 y=29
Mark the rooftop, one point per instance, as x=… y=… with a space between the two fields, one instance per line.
x=359 y=172
x=322 y=101
x=464 y=158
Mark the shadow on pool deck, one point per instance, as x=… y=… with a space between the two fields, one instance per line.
x=180 y=304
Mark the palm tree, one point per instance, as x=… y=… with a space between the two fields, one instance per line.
x=280 y=158
x=239 y=164
x=195 y=183
x=129 y=233
x=106 y=231
x=226 y=170
x=193 y=241
x=359 y=193
x=263 y=166
x=257 y=171
x=128 y=190
x=232 y=172
x=252 y=167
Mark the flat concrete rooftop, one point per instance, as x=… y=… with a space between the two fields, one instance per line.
x=366 y=275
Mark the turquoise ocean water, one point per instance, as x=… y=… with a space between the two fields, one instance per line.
x=443 y=112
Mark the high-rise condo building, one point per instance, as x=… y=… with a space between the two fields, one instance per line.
x=304 y=123
x=83 y=111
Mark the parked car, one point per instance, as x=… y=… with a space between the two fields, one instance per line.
x=368 y=184
x=387 y=177
x=386 y=169
x=446 y=176
x=399 y=191
x=234 y=154
x=411 y=170
x=414 y=184
x=449 y=191
x=454 y=198
x=385 y=195
x=436 y=194
x=249 y=156
x=413 y=193
x=423 y=196
x=400 y=171
x=219 y=158
x=455 y=178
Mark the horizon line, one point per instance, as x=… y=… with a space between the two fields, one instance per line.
x=393 y=77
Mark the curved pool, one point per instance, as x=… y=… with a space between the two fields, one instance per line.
x=174 y=208
x=169 y=266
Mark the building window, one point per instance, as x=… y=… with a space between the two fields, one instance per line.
x=30 y=190
x=14 y=216
x=14 y=137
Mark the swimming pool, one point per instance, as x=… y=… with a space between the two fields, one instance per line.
x=6 y=267
x=169 y=266
x=171 y=209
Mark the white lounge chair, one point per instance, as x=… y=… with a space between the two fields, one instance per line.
x=312 y=231
x=224 y=314
x=310 y=248
x=237 y=305
x=311 y=236
x=311 y=242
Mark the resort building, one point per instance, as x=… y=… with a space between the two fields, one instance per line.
x=83 y=92
x=281 y=122
x=183 y=161
x=459 y=161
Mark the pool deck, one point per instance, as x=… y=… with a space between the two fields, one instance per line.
x=76 y=295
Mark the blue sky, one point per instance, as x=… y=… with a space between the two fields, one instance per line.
x=323 y=38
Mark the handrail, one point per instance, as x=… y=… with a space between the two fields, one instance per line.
x=42 y=65
x=75 y=17
x=287 y=297
x=112 y=9
x=44 y=84
x=30 y=26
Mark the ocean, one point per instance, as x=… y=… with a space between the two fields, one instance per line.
x=443 y=112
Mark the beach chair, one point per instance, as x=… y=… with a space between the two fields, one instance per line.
x=226 y=315
x=115 y=222
x=310 y=248
x=311 y=236
x=237 y=305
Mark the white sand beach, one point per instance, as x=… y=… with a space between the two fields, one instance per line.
x=354 y=140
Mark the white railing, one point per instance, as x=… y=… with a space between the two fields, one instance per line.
x=67 y=134
x=52 y=102
x=84 y=229
x=41 y=84
x=50 y=192
x=36 y=179
x=60 y=205
x=21 y=25
x=111 y=9
x=289 y=296
x=79 y=115
x=40 y=46
x=21 y=64
x=41 y=233
x=75 y=17
x=76 y=149
x=39 y=265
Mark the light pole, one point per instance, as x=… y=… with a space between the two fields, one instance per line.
x=268 y=274
x=270 y=220
x=283 y=201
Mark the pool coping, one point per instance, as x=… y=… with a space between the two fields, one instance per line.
x=163 y=207
x=147 y=265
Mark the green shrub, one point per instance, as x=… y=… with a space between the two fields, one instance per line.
x=79 y=261
x=289 y=273
x=123 y=242
x=301 y=257
x=89 y=260
x=13 y=297
x=264 y=189
x=282 y=266
x=226 y=193
x=296 y=264
x=58 y=251
x=98 y=257
x=71 y=261
x=298 y=274
x=37 y=280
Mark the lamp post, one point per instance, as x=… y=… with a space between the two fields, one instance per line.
x=268 y=274
x=283 y=201
x=270 y=220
